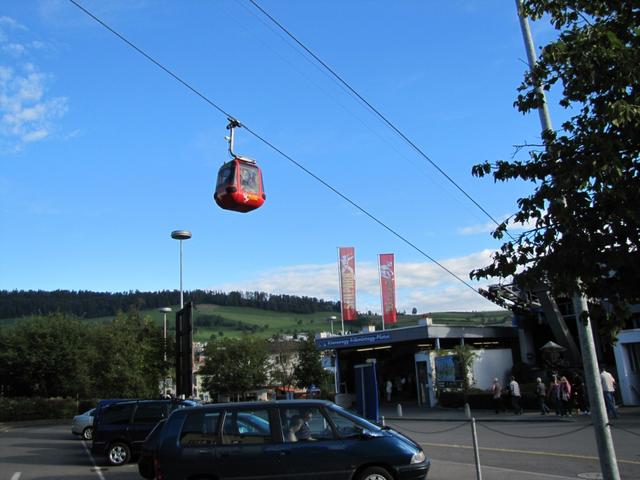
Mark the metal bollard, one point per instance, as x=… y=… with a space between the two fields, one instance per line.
x=399 y=410
x=467 y=410
x=382 y=420
x=476 y=450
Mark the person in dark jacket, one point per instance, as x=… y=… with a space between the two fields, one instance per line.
x=565 y=396
x=554 y=395
x=580 y=395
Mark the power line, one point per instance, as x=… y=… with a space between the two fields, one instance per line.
x=270 y=145
x=375 y=110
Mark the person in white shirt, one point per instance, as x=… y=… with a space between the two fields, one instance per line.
x=388 y=389
x=609 y=391
x=514 y=389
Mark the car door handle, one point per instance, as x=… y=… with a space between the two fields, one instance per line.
x=204 y=452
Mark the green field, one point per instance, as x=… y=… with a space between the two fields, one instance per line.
x=238 y=321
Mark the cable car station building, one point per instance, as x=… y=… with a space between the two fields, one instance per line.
x=406 y=356
x=542 y=336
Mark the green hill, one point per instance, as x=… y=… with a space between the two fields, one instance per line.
x=225 y=321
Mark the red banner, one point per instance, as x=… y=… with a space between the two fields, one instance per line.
x=388 y=287
x=347 y=265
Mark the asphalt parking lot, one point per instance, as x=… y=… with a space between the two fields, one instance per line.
x=526 y=448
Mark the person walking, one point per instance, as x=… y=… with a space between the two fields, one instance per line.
x=514 y=389
x=496 y=393
x=554 y=395
x=541 y=393
x=609 y=391
x=565 y=396
x=388 y=388
x=580 y=395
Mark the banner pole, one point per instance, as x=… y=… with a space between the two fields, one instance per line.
x=381 y=291
x=341 y=298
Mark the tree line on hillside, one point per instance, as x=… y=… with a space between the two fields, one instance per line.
x=88 y=304
x=63 y=356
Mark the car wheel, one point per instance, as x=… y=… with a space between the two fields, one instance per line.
x=87 y=433
x=118 y=454
x=375 y=473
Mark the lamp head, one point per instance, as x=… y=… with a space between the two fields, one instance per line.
x=181 y=234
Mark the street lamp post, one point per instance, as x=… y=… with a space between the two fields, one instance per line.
x=181 y=235
x=165 y=310
x=331 y=319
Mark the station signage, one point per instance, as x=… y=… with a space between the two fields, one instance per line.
x=395 y=335
x=353 y=340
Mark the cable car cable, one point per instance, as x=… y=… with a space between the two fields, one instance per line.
x=151 y=59
x=347 y=199
x=377 y=112
x=272 y=146
x=415 y=162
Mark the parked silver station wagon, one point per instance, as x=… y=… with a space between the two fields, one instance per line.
x=310 y=439
x=83 y=424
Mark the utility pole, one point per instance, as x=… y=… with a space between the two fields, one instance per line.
x=606 y=452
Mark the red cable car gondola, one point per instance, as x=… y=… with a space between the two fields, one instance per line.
x=239 y=186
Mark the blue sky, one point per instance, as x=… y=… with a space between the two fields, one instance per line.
x=103 y=154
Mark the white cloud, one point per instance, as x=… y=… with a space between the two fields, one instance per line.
x=8 y=22
x=477 y=229
x=15 y=49
x=487 y=228
x=27 y=113
x=423 y=285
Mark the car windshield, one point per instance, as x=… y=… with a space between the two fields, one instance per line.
x=357 y=419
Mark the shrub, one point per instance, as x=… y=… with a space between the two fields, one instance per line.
x=37 y=408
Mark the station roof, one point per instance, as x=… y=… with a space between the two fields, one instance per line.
x=407 y=334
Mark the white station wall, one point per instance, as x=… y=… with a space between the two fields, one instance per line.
x=490 y=364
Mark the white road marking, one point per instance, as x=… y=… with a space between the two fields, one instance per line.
x=16 y=476
x=526 y=452
x=96 y=468
x=501 y=469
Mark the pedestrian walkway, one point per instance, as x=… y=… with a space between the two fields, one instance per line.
x=412 y=411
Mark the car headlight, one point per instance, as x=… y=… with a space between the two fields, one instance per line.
x=418 y=457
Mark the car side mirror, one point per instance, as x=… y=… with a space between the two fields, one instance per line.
x=366 y=433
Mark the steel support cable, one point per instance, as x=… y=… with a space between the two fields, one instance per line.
x=534 y=436
x=462 y=424
x=270 y=145
x=378 y=113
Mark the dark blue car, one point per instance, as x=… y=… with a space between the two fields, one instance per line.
x=311 y=439
x=120 y=426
